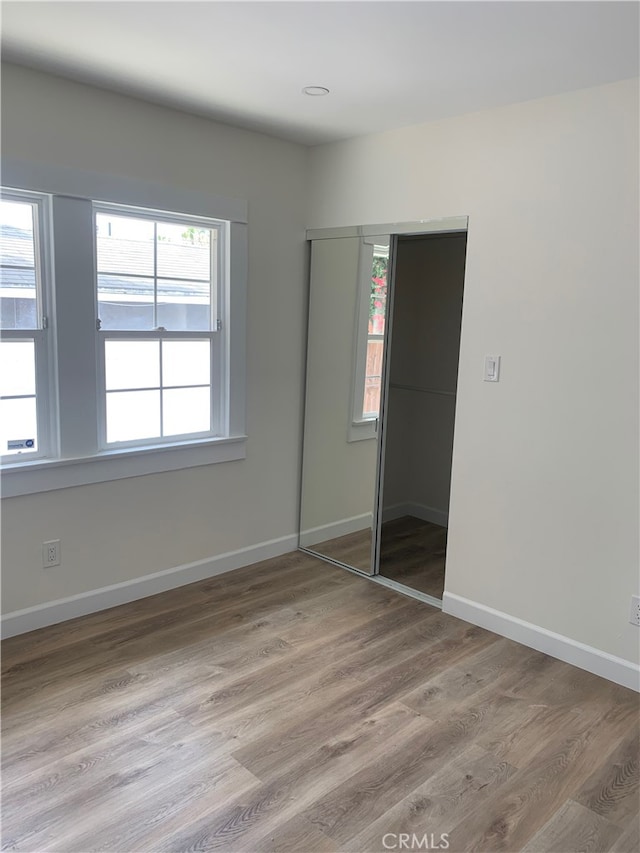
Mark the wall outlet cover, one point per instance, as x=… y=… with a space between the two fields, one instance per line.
x=51 y=553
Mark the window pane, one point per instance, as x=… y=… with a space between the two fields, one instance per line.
x=184 y=305
x=18 y=424
x=132 y=415
x=124 y=244
x=154 y=274
x=17 y=368
x=186 y=410
x=132 y=364
x=18 y=302
x=125 y=303
x=184 y=251
x=186 y=363
x=16 y=231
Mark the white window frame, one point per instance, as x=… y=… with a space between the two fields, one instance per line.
x=40 y=336
x=215 y=335
x=78 y=457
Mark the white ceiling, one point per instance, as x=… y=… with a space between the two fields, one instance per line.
x=387 y=64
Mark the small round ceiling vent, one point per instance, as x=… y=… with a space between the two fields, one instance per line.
x=315 y=91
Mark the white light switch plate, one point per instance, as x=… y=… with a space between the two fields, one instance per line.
x=491 y=368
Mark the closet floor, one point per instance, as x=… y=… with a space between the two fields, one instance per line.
x=413 y=552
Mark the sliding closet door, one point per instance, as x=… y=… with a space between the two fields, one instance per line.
x=347 y=307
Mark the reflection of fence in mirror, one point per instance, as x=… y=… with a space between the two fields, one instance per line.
x=339 y=468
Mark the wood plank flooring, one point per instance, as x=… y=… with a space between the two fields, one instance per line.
x=293 y=706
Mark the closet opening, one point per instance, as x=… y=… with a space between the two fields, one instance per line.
x=383 y=341
x=416 y=448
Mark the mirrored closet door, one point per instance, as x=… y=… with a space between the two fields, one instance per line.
x=383 y=342
x=347 y=314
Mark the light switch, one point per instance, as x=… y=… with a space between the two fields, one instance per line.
x=492 y=368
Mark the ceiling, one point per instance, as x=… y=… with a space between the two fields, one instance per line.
x=387 y=64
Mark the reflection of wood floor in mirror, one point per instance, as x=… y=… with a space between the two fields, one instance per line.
x=354 y=549
x=413 y=552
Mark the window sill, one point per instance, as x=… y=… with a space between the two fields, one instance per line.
x=44 y=475
x=362 y=430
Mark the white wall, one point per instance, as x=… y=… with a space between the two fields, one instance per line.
x=544 y=504
x=124 y=529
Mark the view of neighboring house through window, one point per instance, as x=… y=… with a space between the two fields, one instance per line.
x=158 y=319
x=22 y=393
x=155 y=273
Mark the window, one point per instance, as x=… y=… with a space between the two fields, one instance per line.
x=158 y=313
x=24 y=338
x=122 y=347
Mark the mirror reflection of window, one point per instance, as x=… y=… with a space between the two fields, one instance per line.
x=375 y=333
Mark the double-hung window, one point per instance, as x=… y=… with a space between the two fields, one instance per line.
x=25 y=431
x=122 y=328
x=159 y=308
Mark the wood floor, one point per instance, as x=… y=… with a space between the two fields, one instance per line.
x=293 y=706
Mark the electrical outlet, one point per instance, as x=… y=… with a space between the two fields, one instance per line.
x=634 y=615
x=51 y=553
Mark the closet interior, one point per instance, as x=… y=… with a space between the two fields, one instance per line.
x=422 y=358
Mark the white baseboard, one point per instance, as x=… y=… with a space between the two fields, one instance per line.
x=421 y=511
x=314 y=535
x=21 y=621
x=578 y=654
